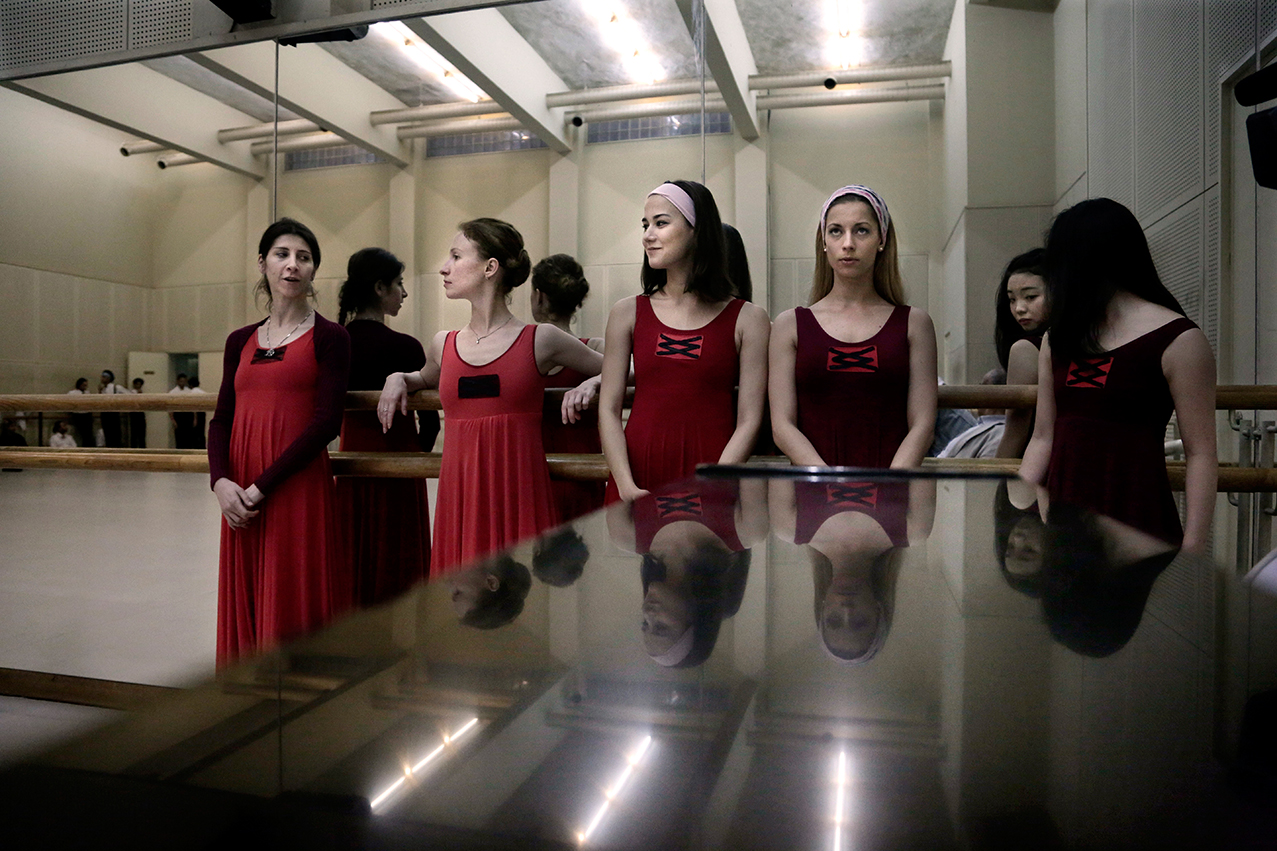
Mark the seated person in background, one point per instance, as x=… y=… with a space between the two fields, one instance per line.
x=950 y=422
x=61 y=439
x=10 y=435
x=982 y=439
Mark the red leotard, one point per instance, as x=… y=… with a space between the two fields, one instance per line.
x=853 y=397
x=684 y=408
x=494 y=485
x=1107 y=449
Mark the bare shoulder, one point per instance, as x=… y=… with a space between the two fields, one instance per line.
x=920 y=322
x=751 y=315
x=786 y=323
x=436 y=345
x=1191 y=346
x=624 y=308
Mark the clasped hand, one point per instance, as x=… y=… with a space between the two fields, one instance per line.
x=239 y=505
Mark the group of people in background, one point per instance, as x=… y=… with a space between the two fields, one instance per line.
x=114 y=430
x=848 y=380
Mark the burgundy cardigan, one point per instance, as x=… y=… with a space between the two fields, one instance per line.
x=332 y=350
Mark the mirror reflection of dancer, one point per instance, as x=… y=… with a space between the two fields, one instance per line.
x=694 y=544
x=855 y=535
x=692 y=344
x=853 y=377
x=1022 y=319
x=494 y=485
x=386 y=521
x=490 y=594
x=559 y=288
x=281 y=401
x=1018 y=536
x=1119 y=358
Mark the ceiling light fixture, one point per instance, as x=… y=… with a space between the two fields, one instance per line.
x=842 y=816
x=847 y=47
x=621 y=33
x=410 y=772
x=611 y=793
x=429 y=59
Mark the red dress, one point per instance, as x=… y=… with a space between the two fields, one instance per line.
x=574 y=499
x=887 y=502
x=494 y=485
x=853 y=397
x=684 y=408
x=282 y=575
x=386 y=521
x=1107 y=449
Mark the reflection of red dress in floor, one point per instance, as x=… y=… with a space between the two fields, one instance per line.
x=886 y=502
x=684 y=408
x=709 y=502
x=386 y=521
x=573 y=499
x=853 y=397
x=1107 y=450
x=494 y=485
x=281 y=576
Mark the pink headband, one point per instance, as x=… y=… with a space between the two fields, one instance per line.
x=679 y=198
x=875 y=201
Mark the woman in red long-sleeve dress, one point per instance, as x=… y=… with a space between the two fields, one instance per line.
x=283 y=388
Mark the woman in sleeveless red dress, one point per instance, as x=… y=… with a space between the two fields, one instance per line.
x=854 y=533
x=853 y=377
x=694 y=542
x=1119 y=358
x=283 y=387
x=692 y=344
x=386 y=521
x=558 y=289
x=494 y=485
x=1017 y=334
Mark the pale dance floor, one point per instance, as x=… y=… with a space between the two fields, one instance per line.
x=109 y=575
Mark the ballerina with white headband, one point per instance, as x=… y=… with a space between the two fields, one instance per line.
x=692 y=344
x=853 y=376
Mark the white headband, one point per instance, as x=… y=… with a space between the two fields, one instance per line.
x=875 y=202
x=679 y=198
x=678 y=652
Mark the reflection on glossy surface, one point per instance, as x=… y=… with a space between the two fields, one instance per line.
x=877 y=673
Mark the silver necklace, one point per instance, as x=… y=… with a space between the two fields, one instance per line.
x=478 y=339
x=270 y=350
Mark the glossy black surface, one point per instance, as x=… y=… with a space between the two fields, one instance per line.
x=928 y=667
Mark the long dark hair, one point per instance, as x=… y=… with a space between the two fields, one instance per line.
x=709 y=280
x=738 y=263
x=714 y=585
x=497 y=608
x=1095 y=249
x=284 y=227
x=1006 y=330
x=366 y=268
x=501 y=241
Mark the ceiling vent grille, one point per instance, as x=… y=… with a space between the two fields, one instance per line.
x=159 y=22
x=36 y=31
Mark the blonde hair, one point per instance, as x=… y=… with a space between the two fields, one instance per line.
x=887 y=280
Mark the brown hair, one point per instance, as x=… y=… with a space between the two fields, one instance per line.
x=501 y=241
x=887 y=280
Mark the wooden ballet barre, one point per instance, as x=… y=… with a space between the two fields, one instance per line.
x=582 y=468
x=1261 y=397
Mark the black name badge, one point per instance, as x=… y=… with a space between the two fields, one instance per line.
x=479 y=386
x=269 y=355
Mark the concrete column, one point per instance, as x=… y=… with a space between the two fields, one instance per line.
x=564 y=214
x=751 y=217
x=403 y=240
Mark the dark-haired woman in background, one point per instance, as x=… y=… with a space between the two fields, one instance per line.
x=494 y=486
x=1119 y=358
x=386 y=521
x=490 y=594
x=692 y=344
x=853 y=377
x=1017 y=334
x=558 y=289
x=283 y=391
